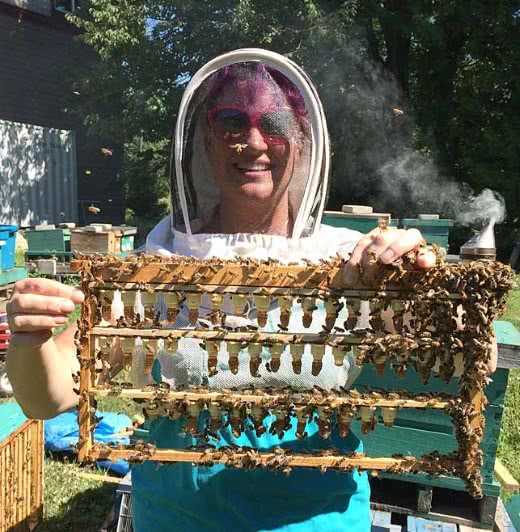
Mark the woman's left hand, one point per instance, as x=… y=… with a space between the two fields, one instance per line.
x=385 y=246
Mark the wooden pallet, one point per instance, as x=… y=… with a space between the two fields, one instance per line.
x=402 y=506
x=388 y=521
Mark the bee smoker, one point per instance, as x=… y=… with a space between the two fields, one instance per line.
x=481 y=246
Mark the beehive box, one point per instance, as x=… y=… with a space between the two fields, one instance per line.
x=86 y=241
x=413 y=432
x=113 y=240
x=7 y=239
x=55 y=242
x=434 y=231
x=363 y=223
x=21 y=470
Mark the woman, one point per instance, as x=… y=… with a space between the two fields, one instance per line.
x=251 y=169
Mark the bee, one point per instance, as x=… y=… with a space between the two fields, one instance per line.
x=238 y=147
x=93 y=209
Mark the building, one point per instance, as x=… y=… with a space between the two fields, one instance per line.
x=39 y=55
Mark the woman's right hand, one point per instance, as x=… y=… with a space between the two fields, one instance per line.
x=38 y=305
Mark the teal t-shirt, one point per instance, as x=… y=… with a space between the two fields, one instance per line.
x=183 y=497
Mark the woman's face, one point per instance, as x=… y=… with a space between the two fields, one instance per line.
x=254 y=167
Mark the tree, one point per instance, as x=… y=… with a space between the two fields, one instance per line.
x=416 y=92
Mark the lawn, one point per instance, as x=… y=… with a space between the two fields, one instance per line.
x=76 y=503
x=509 y=444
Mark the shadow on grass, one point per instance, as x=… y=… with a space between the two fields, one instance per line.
x=84 y=512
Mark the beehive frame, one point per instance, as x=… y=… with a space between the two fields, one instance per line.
x=475 y=292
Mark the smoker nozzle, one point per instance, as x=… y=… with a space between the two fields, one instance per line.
x=481 y=246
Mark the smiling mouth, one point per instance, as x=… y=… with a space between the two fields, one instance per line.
x=253 y=167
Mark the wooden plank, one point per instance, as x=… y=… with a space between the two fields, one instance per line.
x=259 y=459
x=506 y=479
x=502 y=520
x=100 y=478
x=466 y=528
x=444 y=518
x=269 y=399
x=381 y=519
x=508 y=339
x=381 y=522
x=419 y=524
x=508 y=356
x=424 y=498
x=488 y=509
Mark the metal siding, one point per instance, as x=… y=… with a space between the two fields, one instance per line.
x=38 y=181
x=42 y=7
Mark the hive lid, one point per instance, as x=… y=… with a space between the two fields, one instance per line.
x=357 y=209
x=367 y=216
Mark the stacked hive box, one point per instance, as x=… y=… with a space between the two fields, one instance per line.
x=9 y=273
x=21 y=470
x=415 y=430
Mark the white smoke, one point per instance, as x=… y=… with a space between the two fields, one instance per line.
x=487 y=206
x=418 y=175
x=375 y=134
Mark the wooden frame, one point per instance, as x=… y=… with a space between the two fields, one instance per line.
x=21 y=478
x=474 y=291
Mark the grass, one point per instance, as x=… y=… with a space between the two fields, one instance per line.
x=509 y=442
x=72 y=502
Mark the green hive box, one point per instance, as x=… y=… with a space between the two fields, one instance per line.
x=364 y=223
x=419 y=432
x=48 y=242
x=434 y=231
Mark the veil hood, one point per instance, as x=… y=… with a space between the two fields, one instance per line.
x=195 y=194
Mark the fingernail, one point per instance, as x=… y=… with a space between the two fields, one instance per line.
x=60 y=320
x=387 y=256
x=66 y=306
x=78 y=294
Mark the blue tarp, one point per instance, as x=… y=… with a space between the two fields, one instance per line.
x=62 y=432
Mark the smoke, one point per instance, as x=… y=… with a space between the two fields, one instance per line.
x=374 y=138
x=416 y=175
x=488 y=205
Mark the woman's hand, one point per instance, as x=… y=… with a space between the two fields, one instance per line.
x=37 y=306
x=385 y=246
x=39 y=368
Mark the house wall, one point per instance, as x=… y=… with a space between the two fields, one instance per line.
x=38 y=56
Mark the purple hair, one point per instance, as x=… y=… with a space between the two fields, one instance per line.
x=255 y=72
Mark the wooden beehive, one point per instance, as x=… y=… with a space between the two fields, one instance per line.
x=433 y=297
x=86 y=241
x=115 y=240
x=21 y=472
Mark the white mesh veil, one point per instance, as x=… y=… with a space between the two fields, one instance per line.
x=251 y=133
x=250 y=168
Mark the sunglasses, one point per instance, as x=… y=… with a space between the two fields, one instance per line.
x=233 y=124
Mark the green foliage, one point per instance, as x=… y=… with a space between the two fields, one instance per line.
x=509 y=443
x=447 y=67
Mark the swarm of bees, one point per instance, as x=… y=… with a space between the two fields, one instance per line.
x=419 y=320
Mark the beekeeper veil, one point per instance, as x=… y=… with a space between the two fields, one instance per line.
x=251 y=147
